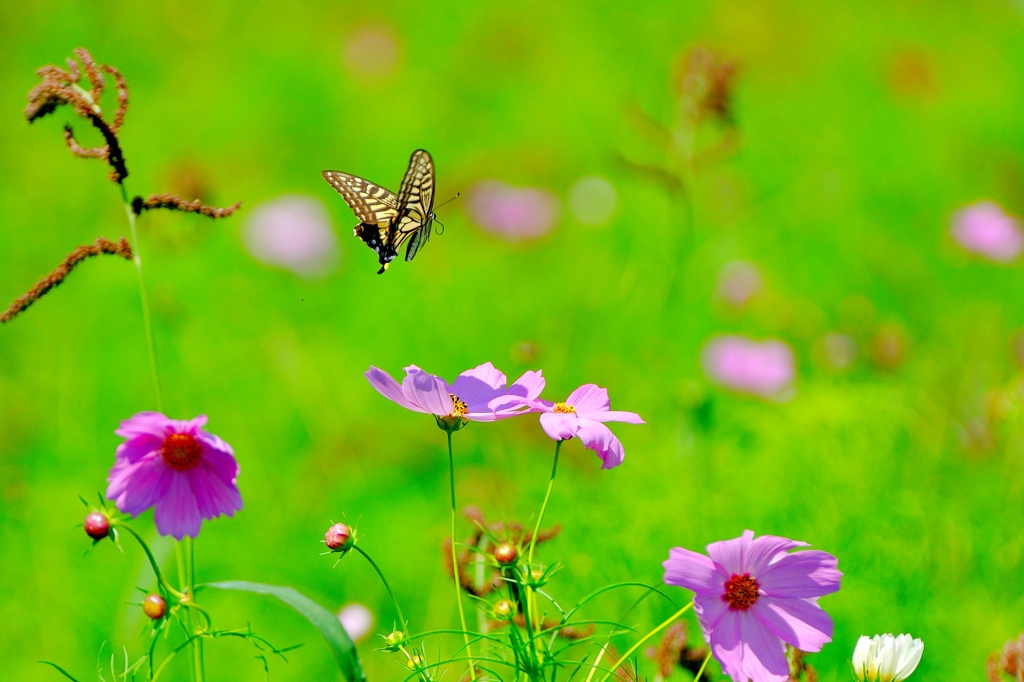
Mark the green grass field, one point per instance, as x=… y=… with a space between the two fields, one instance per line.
x=861 y=127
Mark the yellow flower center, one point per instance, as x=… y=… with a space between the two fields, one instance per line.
x=181 y=451
x=458 y=407
x=564 y=409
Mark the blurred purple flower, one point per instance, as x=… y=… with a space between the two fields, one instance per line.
x=583 y=414
x=371 y=52
x=752 y=597
x=764 y=369
x=293 y=232
x=985 y=229
x=357 y=620
x=185 y=473
x=510 y=212
x=738 y=283
x=478 y=394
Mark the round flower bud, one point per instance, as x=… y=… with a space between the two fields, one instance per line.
x=504 y=609
x=506 y=553
x=414 y=662
x=339 y=538
x=97 y=525
x=394 y=641
x=154 y=606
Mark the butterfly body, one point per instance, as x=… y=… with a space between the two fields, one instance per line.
x=386 y=220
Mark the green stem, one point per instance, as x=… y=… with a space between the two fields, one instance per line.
x=152 y=562
x=197 y=648
x=146 y=318
x=404 y=624
x=455 y=561
x=702 y=666
x=632 y=649
x=544 y=506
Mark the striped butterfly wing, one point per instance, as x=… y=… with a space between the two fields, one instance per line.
x=415 y=205
x=375 y=207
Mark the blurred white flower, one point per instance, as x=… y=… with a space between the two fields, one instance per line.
x=884 y=658
x=592 y=200
x=512 y=212
x=356 y=619
x=292 y=232
x=738 y=283
x=371 y=52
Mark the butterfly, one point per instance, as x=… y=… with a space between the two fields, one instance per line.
x=387 y=221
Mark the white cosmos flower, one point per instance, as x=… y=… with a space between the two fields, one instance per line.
x=884 y=658
x=357 y=620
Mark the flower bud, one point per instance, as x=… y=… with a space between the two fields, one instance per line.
x=154 y=606
x=339 y=538
x=97 y=525
x=394 y=641
x=414 y=662
x=506 y=553
x=504 y=609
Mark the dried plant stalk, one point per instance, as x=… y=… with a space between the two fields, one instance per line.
x=120 y=248
x=175 y=203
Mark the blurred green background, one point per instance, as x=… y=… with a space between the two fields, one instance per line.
x=861 y=127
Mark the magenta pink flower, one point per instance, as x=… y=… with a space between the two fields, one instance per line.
x=478 y=394
x=185 y=473
x=985 y=229
x=583 y=414
x=753 y=597
x=511 y=212
x=764 y=369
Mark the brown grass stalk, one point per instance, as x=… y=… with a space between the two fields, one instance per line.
x=175 y=203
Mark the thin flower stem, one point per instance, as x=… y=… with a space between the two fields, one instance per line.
x=401 y=618
x=597 y=662
x=455 y=561
x=146 y=318
x=152 y=562
x=197 y=648
x=544 y=506
x=702 y=666
x=632 y=649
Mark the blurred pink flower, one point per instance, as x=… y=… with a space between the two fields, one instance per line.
x=371 y=52
x=356 y=619
x=752 y=597
x=985 y=229
x=185 y=473
x=761 y=368
x=738 y=283
x=583 y=414
x=292 y=232
x=478 y=394
x=510 y=212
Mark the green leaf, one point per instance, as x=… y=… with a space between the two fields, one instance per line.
x=61 y=670
x=322 y=619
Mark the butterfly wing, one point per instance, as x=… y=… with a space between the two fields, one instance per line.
x=375 y=207
x=415 y=205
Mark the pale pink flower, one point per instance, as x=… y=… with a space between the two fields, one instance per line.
x=356 y=619
x=752 y=597
x=583 y=415
x=511 y=212
x=760 y=368
x=183 y=472
x=292 y=232
x=985 y=229
x=478 y=394
x=739 y=282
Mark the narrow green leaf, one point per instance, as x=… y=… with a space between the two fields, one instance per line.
x=61 y=670
x=322 y=619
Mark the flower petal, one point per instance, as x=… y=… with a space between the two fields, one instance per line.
x=145 y=424
x=599 y=438
x=693 y=571
x=800 y=622
x=137 y=489
x=431 y=393
x=766 y=549
x=613 y=416
x=529 y=385
x=218 y=457
x=710 y=610
x=747 y=650
x=213 y=496
x=731 y=555
x=139 y=447
x=477 y=386
x=559 y=425
x=589 y=398
x=810 y=573
x=389 y=388
x=176 y=512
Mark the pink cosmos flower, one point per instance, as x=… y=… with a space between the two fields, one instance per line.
x=583 y=414
x=753 y=597
x=293 y=232
x=511 y=212
x=185 y=473
x=985 y=229
x=764 y=369
x=478 y=394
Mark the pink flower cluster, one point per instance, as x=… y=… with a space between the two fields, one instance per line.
x=482 y=394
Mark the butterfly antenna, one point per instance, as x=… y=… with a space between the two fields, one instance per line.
x=457 y=195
